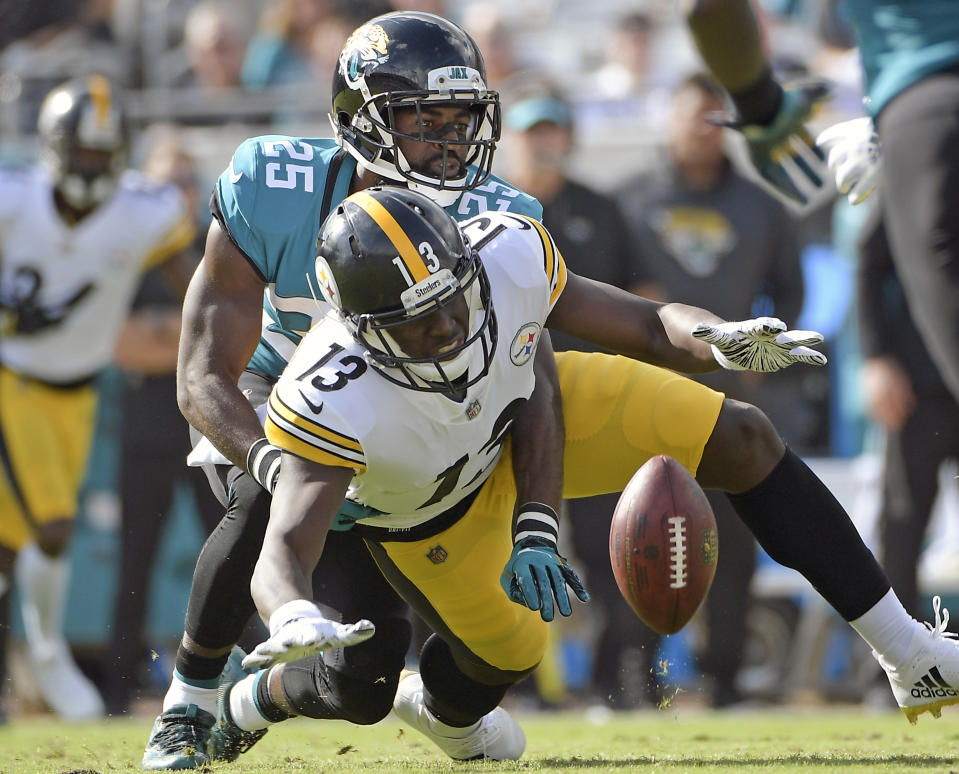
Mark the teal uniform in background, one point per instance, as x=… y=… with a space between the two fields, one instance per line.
x=901 y=42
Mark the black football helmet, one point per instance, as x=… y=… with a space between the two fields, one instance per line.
x=402 y=60
x=84 y=114
x=388 y=255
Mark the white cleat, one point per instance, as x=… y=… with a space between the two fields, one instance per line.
x=65 y=689
x=928 y=679
x=496 y=737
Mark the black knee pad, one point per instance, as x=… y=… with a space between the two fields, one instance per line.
x=357 y=683
x=453 y=697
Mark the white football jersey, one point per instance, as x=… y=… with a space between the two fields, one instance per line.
x=416 y=454
x=71 y=286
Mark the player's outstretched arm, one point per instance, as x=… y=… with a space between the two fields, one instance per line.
x=677 y=336
x=305 y=502
x=536 y=576
x=634 y=326
x=538 y=434
x=222 y=312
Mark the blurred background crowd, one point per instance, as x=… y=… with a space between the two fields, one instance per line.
x=604 y=105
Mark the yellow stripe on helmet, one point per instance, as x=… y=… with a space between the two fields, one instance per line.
x=100 y=95
x=393 y=230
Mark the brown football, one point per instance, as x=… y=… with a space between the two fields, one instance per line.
x=663 y=544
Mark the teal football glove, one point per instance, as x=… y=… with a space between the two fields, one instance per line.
x=783 y=152
x=535 y=573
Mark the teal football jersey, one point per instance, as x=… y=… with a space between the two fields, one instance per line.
x=902 y=41
x=273 y=198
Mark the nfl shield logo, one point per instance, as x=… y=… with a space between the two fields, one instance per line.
x=437 y=555
x=473 y=409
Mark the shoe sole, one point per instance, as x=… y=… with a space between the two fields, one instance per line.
x=933 y=708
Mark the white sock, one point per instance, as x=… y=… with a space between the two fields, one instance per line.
x=181 y=692
x=42 y=584
x=888 y=628
x=450 y=732
x=243 y=707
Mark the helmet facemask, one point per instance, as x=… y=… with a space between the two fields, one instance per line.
x=377 y=117
x=454 y=371
x=82 y=186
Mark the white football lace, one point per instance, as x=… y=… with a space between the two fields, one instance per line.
x=942 y=621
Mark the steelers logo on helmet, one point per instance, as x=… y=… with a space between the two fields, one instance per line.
x=408 y=60
x=84 y=140
x=324 y=276
x=393 y=256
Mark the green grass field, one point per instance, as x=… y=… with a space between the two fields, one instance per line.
x=672 y=740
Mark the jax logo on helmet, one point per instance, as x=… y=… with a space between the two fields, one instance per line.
x=366 y=47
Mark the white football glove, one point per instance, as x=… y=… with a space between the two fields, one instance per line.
x=298 y=630
x=762 y=345
x=852 y=154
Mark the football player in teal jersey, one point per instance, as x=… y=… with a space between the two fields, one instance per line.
x=910 y=58
x=411 y=108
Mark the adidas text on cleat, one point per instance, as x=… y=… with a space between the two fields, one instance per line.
x=178 y=739
x=227 y=740
x=928 y=679
x=497 y=737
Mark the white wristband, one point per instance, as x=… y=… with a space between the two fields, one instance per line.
x=291 y=611
x=263 y=463
x=537 y=520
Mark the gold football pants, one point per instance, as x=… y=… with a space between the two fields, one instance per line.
x=618 y=413
x=45 y=437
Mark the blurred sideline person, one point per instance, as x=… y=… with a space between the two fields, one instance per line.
x=394 y=417
x=486 y=24
x=214 y=45
x=905 y=395
x=153 y=434
x=910 y=60
x=595 y=242
x=280 y=50
x=76 y=231
x=410 y=107
x=704 y=234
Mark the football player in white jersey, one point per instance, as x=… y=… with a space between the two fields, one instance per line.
x=410 y=108
x=76 y=232
x=394 y=418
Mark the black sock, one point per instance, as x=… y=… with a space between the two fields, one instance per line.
x=759 y=103
x=801 y=525
x=197 y=668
